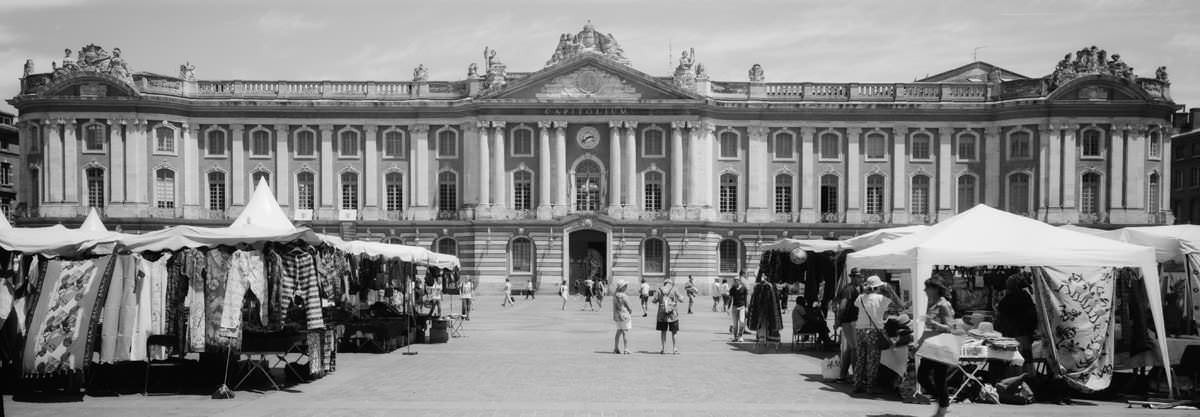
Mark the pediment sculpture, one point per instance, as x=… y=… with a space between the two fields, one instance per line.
x=93 y=58
x=497 y=72
x=588 y=40
x=1091 y=61
x=685 y=72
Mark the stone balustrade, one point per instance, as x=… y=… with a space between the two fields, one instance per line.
x=878 y=91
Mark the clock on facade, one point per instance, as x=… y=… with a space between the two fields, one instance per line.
x=588 y=137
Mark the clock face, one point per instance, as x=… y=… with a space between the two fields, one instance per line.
x=588 y=137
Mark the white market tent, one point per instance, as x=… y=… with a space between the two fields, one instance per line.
x=404 y=253
x=985 y=236
x=58 y=240
x=92 y=223
x=855 y=243
x=4 y=224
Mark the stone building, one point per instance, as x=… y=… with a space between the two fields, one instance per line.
x=10 y=163
x=1185 y=169
x=590 y=167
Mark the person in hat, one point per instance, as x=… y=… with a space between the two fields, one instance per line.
x=1016 y=316
x=668 y=314
x=939 y=319
x=623 y=317
x=872 y=311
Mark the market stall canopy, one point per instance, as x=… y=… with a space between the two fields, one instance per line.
x=4 y=224
x=92 y=223
x=404 y=253
x=812 y=245
x=1170 y=243
x=58 y=240
x=263 y=211
x=877 y=237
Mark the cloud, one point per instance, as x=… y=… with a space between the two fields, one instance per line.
x=8 y=5
x=279 y=23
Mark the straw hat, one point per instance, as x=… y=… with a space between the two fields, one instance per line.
x=874 y=282
x=985 y=330
x=622 y=285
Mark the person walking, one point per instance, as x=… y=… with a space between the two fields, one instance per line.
x=691 y=291
x=737 y=303
x=587 y=294
x=508 y=299
x=714 y=289
x=562 y=293
x=466 y=293
x=623 y=316
x=724 y=295
x=872 y=309
x=599 y=293
x=932 y=374
x=529 y=295
x=644 y=295
x=668 y=315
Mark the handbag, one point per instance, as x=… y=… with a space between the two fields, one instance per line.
x=881 y=340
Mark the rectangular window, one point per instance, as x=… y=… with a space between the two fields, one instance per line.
x=785 y=146
x=783 y=197
x=1176 y=179
x=829 y=194
x=93 y=138
x=653 y=144
x=447 y=144
x=394 y=192
x=653 y=196
x=522 y=190
x=729 y=145
x=216 y=191
x=874 y=199
x=95 y=186
x=260 y=143
x=1195 y=179
x=729 y=194
x=6 y=173
x=164 y=140
x=447 y=196
x=393 y=145
x=653 y=256
x=305 y=191
x=349 y=191
x=306 y=143
x=522 y=143
x=920 y=147
x=830 y=146
x=522 y=256
x=966 y=148
x=164 y=189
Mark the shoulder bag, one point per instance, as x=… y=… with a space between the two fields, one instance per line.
x=882 y=342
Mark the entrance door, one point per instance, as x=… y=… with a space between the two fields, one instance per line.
x=587 y=257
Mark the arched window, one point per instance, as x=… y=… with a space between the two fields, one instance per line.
x=306 y=143
x=729 y=193
x=348 y=143
x=966 y=192
x=522 y=190
x=260 y=143
x=216 y=190
x=95 y=187
x=829 y=194
x=1153 y=195
x=349 y=191
x=783 y=193
x=1089 y=193
x=448 y=144
x=1020 y=145
x=394 y=191
x=214 y=145
x=920 y=195
x=446 y=246
x=876 y=146
x=164 y=188
x=831 y=146
x=257 y=176
x=447 y=191
x=393 y=145
x=729 y=256
x=93 y=137
x=1018 y=194
x=654 y=256
x=164 y=140
x=921 y=142
x=587 y=186
x=654 y=191
x=967 y=147
x=306 y=191
x=1155 y=144
x=521 y=255
x=1090 y=143
x=874 y=194
x=729 y=145
x=653 y=144
x=785 y=145
x=522 y=142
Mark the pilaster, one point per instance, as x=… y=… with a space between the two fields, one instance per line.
x=138 y=182
x=1070 y=174
x=283 y=175
x=54 y=161
x=1164 y=191
x=707 y=173
x=853 y=176
x=614 y=170
x=419 y=167
x=992 y=180
x=470 y=168
x=562 y=201
x=945 y=179
x=500 y=171
x=900 y=175
x=808 y=177
x=371 y=174
x=239 y=179
x=631 y=175
x=544 y=210
x=1053 y=173
x=677 y=202
x=1116 y=176
x=1136 y=176
x=484 y=209
x=327 y=211
x=71 y=162
x=116 y=161
x=192 y=177
x=760 y=186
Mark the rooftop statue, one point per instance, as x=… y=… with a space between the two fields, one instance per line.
x=473 y=71
x=588 y=40
x=497 y=72
x=756 y=74
x=420 y=74
x=93 y=58
x=1161 y=74
x=187 y=71
x=1090 y=61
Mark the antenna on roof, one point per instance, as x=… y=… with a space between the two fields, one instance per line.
x=975 y=53
x=670 y=55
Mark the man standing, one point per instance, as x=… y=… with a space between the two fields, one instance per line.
x=737 y=301
x=715 y=291
x=644 y=295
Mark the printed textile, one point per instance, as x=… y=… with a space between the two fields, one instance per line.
x=215 y=282
x=1193 y=298
x=764 y=310
x=193 y=268
x=245 y=272
x=300 y=273
x=1076 y=305
x=60 y=332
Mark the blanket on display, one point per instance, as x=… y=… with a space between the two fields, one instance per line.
x=60 y=332
x=1077 y=305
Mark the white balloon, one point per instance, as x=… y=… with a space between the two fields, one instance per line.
x=798 y=256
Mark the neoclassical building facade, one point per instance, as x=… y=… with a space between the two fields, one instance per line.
x=589 y=166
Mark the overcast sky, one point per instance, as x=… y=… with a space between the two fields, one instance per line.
x=876 y=41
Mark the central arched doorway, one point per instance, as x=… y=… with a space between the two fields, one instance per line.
x=587 y=256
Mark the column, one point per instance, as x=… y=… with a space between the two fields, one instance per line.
x=326 y=210
x=192 y=178
x=283 y=175
x=759 y=184
x=116 y=160
x=1043 y=180
x=1070 y=157
x=239 y=177
x=423 y=210
x=631 y=174
x=614 y=170
x=900 y=175
x=677 y=211
x=138 y=180
x=945 y=163
x=1116 y=177
x=562 y=203
x=992 y=181
x=71 y=163
x=371 y=174
x=1136 y=176
x=53 y=168
x=470 y=169
x=853 y=176
x=1164 y=179
x=1054 y=172
x=544 y=210
x=808 y=177
x=499 y=171
x=485 y=172
x=706 y=172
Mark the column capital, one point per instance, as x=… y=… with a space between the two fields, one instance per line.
x=419 y=129
x=184 y=124
x=707 y=125
x=325 y=128
x=615 y=124
x=679 y=124
x=115 y=122
x=757 y=131
x=559 y=124
x=499 y=124
x=545 y=124
x=370 y=128
x=900 y=129
x=282 y=128
x=994 y=131
x=853 y=131
x=631 y=125
x=242 y=128
x=807 y=131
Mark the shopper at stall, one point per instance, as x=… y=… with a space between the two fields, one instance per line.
x=847 y=315
x=737 y=302
x=562 y=293
x=872 y=309
x=668 y=315
x=644 y=295
x=939 y=319
x=466 y=293
x=1016 y=315
x=623 y=316
x=435 y=298
x=691 y=291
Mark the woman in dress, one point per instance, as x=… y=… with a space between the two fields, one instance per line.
x=668 y=315
x=623 y=316
x=872 y=314
x=562 y=293
x=939 y=319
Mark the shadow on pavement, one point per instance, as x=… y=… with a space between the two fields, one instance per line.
x=761 y=348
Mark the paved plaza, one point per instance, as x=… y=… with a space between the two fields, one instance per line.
x=534 y=360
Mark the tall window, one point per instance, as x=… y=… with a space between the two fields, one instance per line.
x=1090 y=143
x=830 y=145
x=785 y=145
x=306 y=143
x=1018 y=193
x=654 y=256
x=393 y=145
x=653 y=145
x=1152 y=193
x=729 y=145
x=446 y=246
x=966 y=192
x=95 y=187
x=522 y=190
x=920 y=146
x=521 y=255
x=164 y=188
x=1176 y=179
x=1194 y=181
x=260 y=143
x=5 y=173
x=35 y=139
x=394 y=194
x=1020 y=145
x=215 y=143
x=729 y=193
x=164 y=139
x=654 y=191
x=348 y=143
x=1155 y=145
x=93 y=137
x=587 y=186
x=447 y=191
x=729 y=256
x=349 y=191
x=876 y=146
x=829 y=194
x=448 y=144
x=216 y=190
x=522 y=142
x=874 y=194
x=920 y=195
x=306 y=191
x=783 y=193
x=967 y=147
x=1089 y=193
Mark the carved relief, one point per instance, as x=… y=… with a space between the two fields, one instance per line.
x=1090 y=61
x=588 y=40
x=588 y=83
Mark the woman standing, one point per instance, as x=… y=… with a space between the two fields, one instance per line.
x=932 y=374
x=562 y=292
x=691 y=291
x=599 y=293
x=466 y=293
x=623 y=316
x=872 y=309
x=668 y=315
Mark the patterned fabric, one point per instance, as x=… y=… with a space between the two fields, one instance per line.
x=299 y=268
x=112 y=316
x=194 y=268
x=1192 y=300
x=1078 y=305
x=273 y=268
x=60 y=336
x=866 y=360
x=907 y=385
x=215 y=281
x=34 y=278
x=125 y=270
x=764 y=310
x=156 y=273
x=245 y=272
x=176 y=293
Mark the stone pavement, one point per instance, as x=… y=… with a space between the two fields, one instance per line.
x=535 y=360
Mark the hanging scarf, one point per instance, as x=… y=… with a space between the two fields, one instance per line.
x=1076 y=307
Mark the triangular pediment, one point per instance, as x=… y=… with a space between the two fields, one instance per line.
x=590 y=78
x=1099 y=88
x=977 y=71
